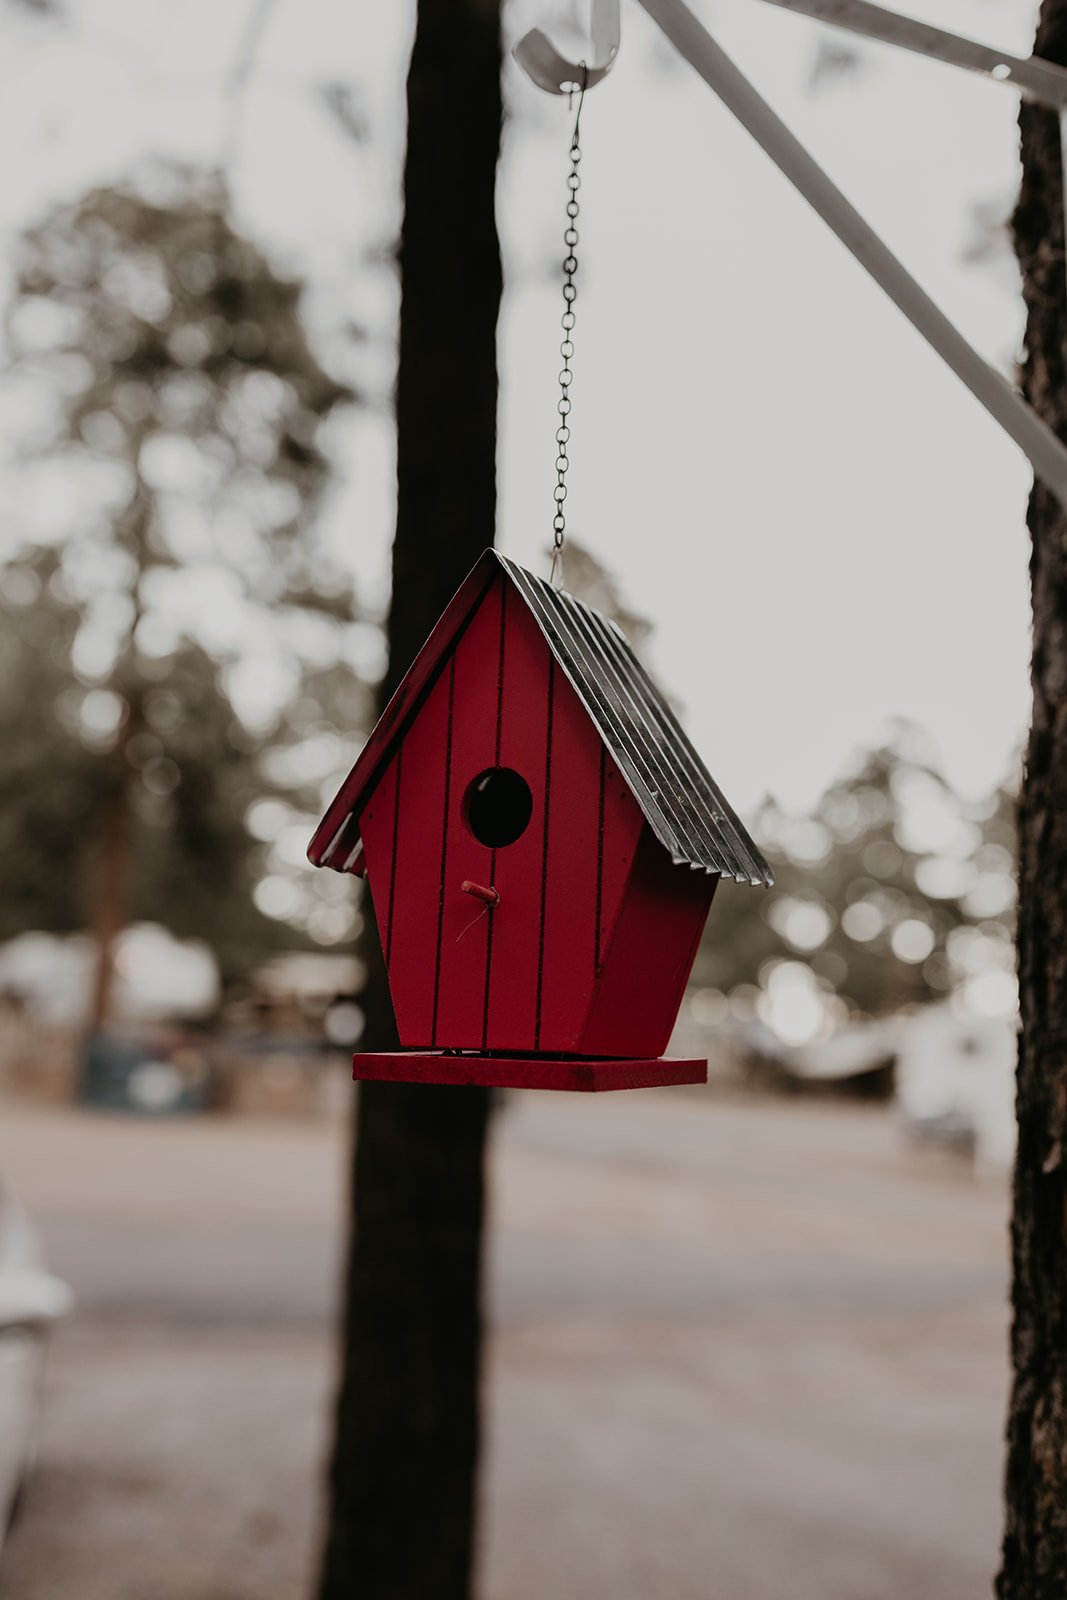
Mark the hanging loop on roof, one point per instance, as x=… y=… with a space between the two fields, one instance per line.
x=566 y=349
x=543 y=63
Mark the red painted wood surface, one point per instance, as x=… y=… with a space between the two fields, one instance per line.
x=413 y=817
x=571 y=849
x=539 y=1072
x=523 y=730
x=354 y=794
x=652 y=952
x=378 y=828
x=593 y=828
x=621 y=827
x=465 y=930
x=588 y=947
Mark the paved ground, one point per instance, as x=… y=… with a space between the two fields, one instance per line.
x=740 y=1351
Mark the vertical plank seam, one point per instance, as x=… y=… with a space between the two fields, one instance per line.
x=500 y=674
x=496 y=763
x=444 y=850
x=544 y=852
x=600 y=859
x=392 y=865
x=488 y=956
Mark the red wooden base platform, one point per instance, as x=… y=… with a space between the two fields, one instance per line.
x=527 y=1072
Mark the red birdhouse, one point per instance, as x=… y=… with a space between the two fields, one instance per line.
x=542 y=844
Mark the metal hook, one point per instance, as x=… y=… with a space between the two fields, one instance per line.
x=542 y=62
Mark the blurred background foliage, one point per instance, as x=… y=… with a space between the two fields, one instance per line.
x=186 y=667
x=894 y=891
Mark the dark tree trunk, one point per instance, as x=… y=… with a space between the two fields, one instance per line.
x=403 y=1473
x=1035 y=1538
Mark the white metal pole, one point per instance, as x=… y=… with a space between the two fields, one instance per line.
x=1047 y=454
x=1036 y=79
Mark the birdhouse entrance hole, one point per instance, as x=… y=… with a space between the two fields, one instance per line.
x=498 y=807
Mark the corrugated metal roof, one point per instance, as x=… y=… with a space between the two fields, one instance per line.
x=677 y=794
x=684 y=805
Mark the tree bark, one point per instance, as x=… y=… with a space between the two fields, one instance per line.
x=402 y=1480
x=1035 y=1537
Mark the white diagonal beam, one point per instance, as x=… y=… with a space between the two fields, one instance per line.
x=1048 y=456
x=1036 y=79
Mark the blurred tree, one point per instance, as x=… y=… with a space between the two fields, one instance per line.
x=894 y=891
x=165 y=405
x=189 y=783
x=197 y=778
x=1035 y=1535
x=403 y=1470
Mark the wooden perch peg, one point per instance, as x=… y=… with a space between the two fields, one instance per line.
x=489 y=895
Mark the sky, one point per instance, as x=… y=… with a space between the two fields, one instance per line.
x=826 y=530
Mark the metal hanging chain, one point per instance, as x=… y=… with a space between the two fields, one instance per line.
x=566 y=349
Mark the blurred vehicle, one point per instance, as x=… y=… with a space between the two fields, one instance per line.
x=155 y=1072
x=30 y=1301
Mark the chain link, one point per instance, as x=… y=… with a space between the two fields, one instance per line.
x=566 y=349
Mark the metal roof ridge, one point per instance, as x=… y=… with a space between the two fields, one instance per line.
x=677 y=794
x=648 y=735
